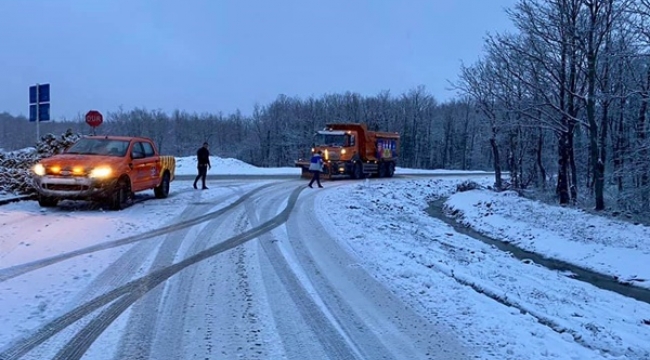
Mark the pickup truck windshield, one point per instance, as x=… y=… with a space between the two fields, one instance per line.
x=103 y=147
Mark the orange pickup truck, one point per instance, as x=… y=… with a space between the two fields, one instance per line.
x=104 y=168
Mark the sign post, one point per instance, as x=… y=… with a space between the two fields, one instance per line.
x=39 y=105
x=94 y=118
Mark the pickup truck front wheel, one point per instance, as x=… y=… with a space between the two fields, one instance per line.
x=47 y=201
x=162 y=191
x=121 y=195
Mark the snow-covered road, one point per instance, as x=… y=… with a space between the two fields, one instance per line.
x=199 y=291
x=269 y=269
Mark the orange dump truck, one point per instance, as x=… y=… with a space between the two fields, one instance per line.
x=353 y=150
x=104 y=168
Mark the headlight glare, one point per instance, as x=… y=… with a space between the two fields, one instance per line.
x=100 y=172
x=39 y=169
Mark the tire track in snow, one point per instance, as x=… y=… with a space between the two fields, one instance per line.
x=352 y=292
x=128 y=264
x=14 y=271
x=369 y=311
x=143 y=321
x=335 y=341
x=168 y=342
x=127 y=295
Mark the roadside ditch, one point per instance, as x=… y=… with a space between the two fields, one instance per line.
x=602 y=281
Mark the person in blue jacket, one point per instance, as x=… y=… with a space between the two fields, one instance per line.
x=316 y=166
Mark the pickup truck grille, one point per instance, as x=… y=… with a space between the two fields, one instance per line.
x=65 y=187
x=63 y=173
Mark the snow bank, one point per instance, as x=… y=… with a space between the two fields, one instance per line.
x=224 y=166
x=608 y=246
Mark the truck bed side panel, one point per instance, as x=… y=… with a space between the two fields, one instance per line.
x=168 y=162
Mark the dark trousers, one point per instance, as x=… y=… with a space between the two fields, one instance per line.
x=315 y=177
x=203 y=172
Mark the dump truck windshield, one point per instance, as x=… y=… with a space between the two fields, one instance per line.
x=332 y=140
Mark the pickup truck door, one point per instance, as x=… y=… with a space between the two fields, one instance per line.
x=153 y=165
x=139 y=167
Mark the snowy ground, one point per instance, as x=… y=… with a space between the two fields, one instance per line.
x=613 y=247
x=328 y=282
x=464 y=283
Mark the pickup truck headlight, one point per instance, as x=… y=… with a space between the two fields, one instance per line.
x=39 y=169
x=101 y=172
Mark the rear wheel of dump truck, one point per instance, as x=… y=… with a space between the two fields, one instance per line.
x=391 y=169
x=383 y=169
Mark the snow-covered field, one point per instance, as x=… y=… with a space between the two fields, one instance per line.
x=228 y=166
x=498 y=307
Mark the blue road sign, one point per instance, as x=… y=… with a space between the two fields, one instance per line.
x=43 y=93
x=43 y=112
x=32 y=94
x=39 y=95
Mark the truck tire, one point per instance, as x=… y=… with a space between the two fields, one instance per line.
x=383 y=169
x=391 y=169
x=46 y=201
x=357 y=171
x=121 y=195
x=162 y=191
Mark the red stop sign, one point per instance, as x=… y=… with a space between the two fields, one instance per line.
x=94 y=118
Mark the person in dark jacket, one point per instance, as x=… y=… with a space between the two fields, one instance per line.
x=203 y=159
x=316 y=166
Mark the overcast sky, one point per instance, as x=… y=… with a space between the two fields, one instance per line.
x=221 y=55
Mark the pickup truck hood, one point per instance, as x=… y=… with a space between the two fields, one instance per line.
x=85 y=161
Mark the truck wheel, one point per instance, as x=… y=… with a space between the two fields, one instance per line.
x=162 y=191
x=121 y=194
x=357 y=172
x=383 y=169
x=46 y=201
x=391 y=169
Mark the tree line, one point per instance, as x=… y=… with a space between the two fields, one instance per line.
x=575 y=73
x=433 y=135
x=561 y=103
